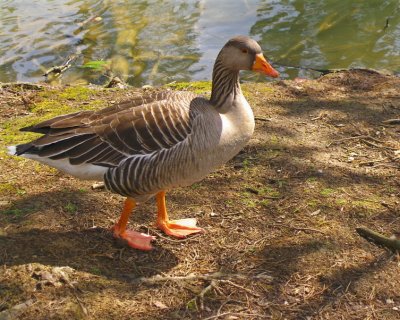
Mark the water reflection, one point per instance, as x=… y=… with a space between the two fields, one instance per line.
x=155 y=42
x=331 y=34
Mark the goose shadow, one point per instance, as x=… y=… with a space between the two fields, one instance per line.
x=72 y=241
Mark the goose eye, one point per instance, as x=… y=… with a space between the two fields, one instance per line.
x=245 y=51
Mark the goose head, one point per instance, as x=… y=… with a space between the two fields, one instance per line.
x=244 y=53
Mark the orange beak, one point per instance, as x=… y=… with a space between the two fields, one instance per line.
x=261 y=65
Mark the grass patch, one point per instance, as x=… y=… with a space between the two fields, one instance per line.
x=71 y=207
x=14 y=212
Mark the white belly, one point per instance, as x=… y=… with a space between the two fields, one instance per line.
x=85 y=171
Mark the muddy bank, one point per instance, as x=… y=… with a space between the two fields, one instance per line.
x=280 y=217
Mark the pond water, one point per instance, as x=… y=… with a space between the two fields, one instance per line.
x=157 y=42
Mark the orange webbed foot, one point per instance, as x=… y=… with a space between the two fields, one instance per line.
x=176 y=228
x=179 y=228
x=134 y=239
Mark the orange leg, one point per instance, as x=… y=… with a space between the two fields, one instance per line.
x=134 y=239
x=176 y=228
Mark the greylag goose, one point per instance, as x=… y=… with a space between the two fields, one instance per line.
x=156 y=141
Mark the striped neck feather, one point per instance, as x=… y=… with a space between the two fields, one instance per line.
x=225 y=86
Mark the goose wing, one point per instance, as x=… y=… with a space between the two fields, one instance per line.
x=139 y=126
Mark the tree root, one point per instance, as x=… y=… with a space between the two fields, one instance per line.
x=392 y=244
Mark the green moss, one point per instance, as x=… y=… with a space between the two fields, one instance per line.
x=95 y=270
x=327 y=192
x=54 y=103
x=273 y=139
x=11 y=189
x=199 y=87
x=262 y=191
x=45 y=106
x=7 y=188
x=248 y=202
x=76 y=93
x=341 y=201
x=253 y=196
x=265 y=202
x=246 y=164
x=191 y=305
x=249 y=89
x=312 y=179
x=195 y=186
x=20 y=192
x=314 y=203
x=368 y=204
x=268 y=191
x=11 y=135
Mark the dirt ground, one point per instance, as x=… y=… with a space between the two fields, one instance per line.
x=280 y=218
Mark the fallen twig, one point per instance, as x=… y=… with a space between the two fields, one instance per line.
x=262 y=118
x=391 y=121
x=98 y=185
x=237 y=314
x=58 y=70
x=306 y=229
x=345 y=139
x=176 y=240
x=371 y=162
x=388 y=165
x=116 y=82
x=371 y=144
x=296 y=228
x=363 y=138
x=89 y=20
x=200 y=296
x=378 y=239
x=240 y=287
x=205 y=277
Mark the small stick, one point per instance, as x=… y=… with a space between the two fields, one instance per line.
x=236 y=314
x=58 y=70
x=379 y=239
x=391 y=121
x=240 y=287
x=387 y=24
x=98 y=185
x=262 y=118
x=371 y=162
x=202 y=293
x=371 y=144
x=345 y=139
x=295 y=228
x=361 y=137
x=211 y=276
x=306 y=229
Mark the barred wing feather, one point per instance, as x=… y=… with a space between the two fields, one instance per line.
x=139 y=126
